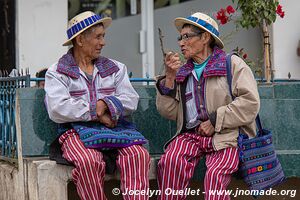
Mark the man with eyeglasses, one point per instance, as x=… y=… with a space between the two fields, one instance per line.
x=196 y=95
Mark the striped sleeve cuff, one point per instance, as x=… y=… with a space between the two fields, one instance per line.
x=115 y=107
x=163 y=88
x=93 y=112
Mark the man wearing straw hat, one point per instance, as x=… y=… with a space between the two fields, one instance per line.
x=89 y=96
x=197 y=96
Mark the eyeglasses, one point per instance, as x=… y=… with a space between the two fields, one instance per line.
x=187 y=36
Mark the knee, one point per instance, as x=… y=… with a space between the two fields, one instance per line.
x=217 y=171
x=168 y=160
x=92 y=161
x=212 y=172
x=136 y=152
x=143 y=154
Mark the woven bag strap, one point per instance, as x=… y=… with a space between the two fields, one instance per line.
x=229 y=81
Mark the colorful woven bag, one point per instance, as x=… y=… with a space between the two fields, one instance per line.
x=259 y=165
x=97 y=136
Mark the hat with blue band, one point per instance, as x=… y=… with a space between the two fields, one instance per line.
x=202 y=21
x=82 y=22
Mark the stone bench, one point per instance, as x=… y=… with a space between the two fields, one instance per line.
x=48 y=180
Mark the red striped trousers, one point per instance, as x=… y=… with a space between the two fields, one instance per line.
x=88 y=174
x=176 y=167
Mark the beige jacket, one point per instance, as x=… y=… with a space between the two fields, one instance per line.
x=231 y=115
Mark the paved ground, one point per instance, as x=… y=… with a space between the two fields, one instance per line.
x=291 y=185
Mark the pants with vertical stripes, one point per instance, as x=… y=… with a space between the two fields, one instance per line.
x=176 y=167
x=88 y=174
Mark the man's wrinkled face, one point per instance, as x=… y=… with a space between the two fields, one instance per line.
x=190 y=43
x=93 y=42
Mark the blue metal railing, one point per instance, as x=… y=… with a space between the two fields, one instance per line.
x=8 y=140
x=141 y=80
x=147 y=80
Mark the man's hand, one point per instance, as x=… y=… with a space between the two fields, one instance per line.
x=103 y=114
x=106 y=120
x=206 y=129
x=172 y=64
x=101 y=108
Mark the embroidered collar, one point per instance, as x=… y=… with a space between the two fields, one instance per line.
x=216 y=66
x=67 y=65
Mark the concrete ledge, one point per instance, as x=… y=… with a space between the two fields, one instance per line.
x=48 y=180
x=9 y=181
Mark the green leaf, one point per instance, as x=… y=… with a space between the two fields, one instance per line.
x=255 y=11
x=265 y=13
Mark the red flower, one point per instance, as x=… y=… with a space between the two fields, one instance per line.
x=279 y=11
x=230 y=9
x=221 y=15
x=245 y=56
x=224 y=15
x=279 y=8
x=224 y=20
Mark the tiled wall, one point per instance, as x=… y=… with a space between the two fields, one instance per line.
x=280 y=112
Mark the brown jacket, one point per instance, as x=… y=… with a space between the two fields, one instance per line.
x=231 y=115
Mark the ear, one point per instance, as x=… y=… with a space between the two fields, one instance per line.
x=206 y=37
x=79 y=40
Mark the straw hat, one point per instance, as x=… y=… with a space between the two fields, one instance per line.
x=83 y=21
x=202 y=21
